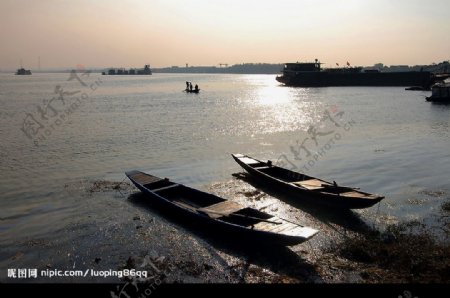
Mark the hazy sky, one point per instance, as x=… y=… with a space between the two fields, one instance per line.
x=102 y=33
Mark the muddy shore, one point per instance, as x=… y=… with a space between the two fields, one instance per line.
x=120 y=230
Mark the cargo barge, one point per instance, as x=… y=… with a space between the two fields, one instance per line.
x=132 y=71
x=310 y=74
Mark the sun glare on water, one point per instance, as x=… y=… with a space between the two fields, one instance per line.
x=281 y=108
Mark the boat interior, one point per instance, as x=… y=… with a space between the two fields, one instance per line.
x=274 y=171
x=215 y=207
x=304 y=181
x=182 y=195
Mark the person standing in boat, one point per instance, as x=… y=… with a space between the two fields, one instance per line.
x=196 y=87
x=190 y=86
x=187 y=85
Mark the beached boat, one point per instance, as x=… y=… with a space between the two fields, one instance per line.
x=218 y=214
x=304 y=187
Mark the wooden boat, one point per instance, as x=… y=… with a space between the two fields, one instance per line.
x=304 y=187
x=214 y=212
x=192 y=90
x=415 y=88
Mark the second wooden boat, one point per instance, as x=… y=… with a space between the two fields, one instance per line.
x=304 y=187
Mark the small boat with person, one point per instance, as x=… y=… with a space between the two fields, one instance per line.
x=306 y=188
x=225 y=217
x=191 y=89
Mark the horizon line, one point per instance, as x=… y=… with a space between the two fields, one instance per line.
x=81 y=66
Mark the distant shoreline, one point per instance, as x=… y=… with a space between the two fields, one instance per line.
x=252 y=68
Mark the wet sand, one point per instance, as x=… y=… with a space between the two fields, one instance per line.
x=119 y=228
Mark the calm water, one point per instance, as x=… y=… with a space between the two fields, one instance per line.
x=383 y=140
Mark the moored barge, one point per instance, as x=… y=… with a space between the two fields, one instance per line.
x=311 y=74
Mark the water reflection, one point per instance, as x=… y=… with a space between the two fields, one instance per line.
x=148 y=123
x=439 y=119
x=279 y=108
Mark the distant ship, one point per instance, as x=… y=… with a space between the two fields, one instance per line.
x=310 y=74
x=132 y=71
x=22 y=72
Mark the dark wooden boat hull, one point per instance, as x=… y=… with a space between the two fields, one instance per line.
x=192 y=91
x=310 y=196
x=213 y=223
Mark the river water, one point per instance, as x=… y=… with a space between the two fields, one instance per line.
x=59 y=131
